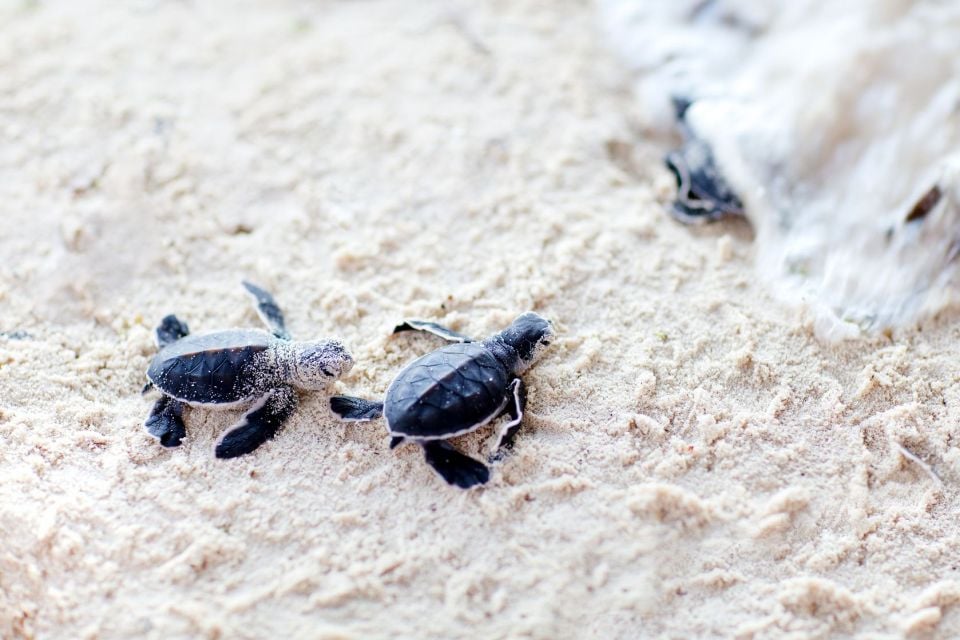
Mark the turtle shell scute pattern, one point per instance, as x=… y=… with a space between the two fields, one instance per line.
x=212 y=369
x=447 y=391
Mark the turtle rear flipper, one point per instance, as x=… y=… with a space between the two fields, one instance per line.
x=170 y=329
x=516 y=404
x=268 y=310
x=165 y=422
x=356 y=409
x=456 y=468
x=434 y=328
x=259 y=424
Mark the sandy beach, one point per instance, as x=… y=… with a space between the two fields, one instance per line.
x=694 y=462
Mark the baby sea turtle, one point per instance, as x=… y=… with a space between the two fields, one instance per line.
x=226 y=369
x=703 y=194
x=455 y=390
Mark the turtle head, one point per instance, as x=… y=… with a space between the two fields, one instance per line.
x=528 y=335
x=314 y=365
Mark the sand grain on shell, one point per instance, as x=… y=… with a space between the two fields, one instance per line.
x=694 y=463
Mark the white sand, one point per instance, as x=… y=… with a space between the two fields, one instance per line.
x=694 y=463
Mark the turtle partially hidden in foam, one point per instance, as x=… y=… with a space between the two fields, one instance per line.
x=703 y=194
x=233 y=368
x=455 y=390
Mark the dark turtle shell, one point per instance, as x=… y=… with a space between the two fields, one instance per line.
x=212 y=368
x=451 y=390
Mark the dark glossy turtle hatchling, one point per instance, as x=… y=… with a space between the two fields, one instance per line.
x=455 y=390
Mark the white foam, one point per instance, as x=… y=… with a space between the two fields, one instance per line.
x=830 y=120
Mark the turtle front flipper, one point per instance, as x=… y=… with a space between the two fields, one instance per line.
x=356 y=409
x=165 y=422
x=456 y=468
x=170 y=329
x=259 y=424
x=515 y=407
x=432 y=327
x=268 y=310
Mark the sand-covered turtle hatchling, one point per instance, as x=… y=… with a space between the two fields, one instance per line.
x=234 y=368
x=455 y=390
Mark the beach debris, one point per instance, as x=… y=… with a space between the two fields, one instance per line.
x=455 y=390
x=703 y=194
x=237 y=367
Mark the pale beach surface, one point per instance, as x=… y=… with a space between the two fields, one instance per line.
x=694 y=462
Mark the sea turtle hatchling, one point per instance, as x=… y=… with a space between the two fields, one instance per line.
x=703 y=193
x=236 y=367
x=455 y=390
